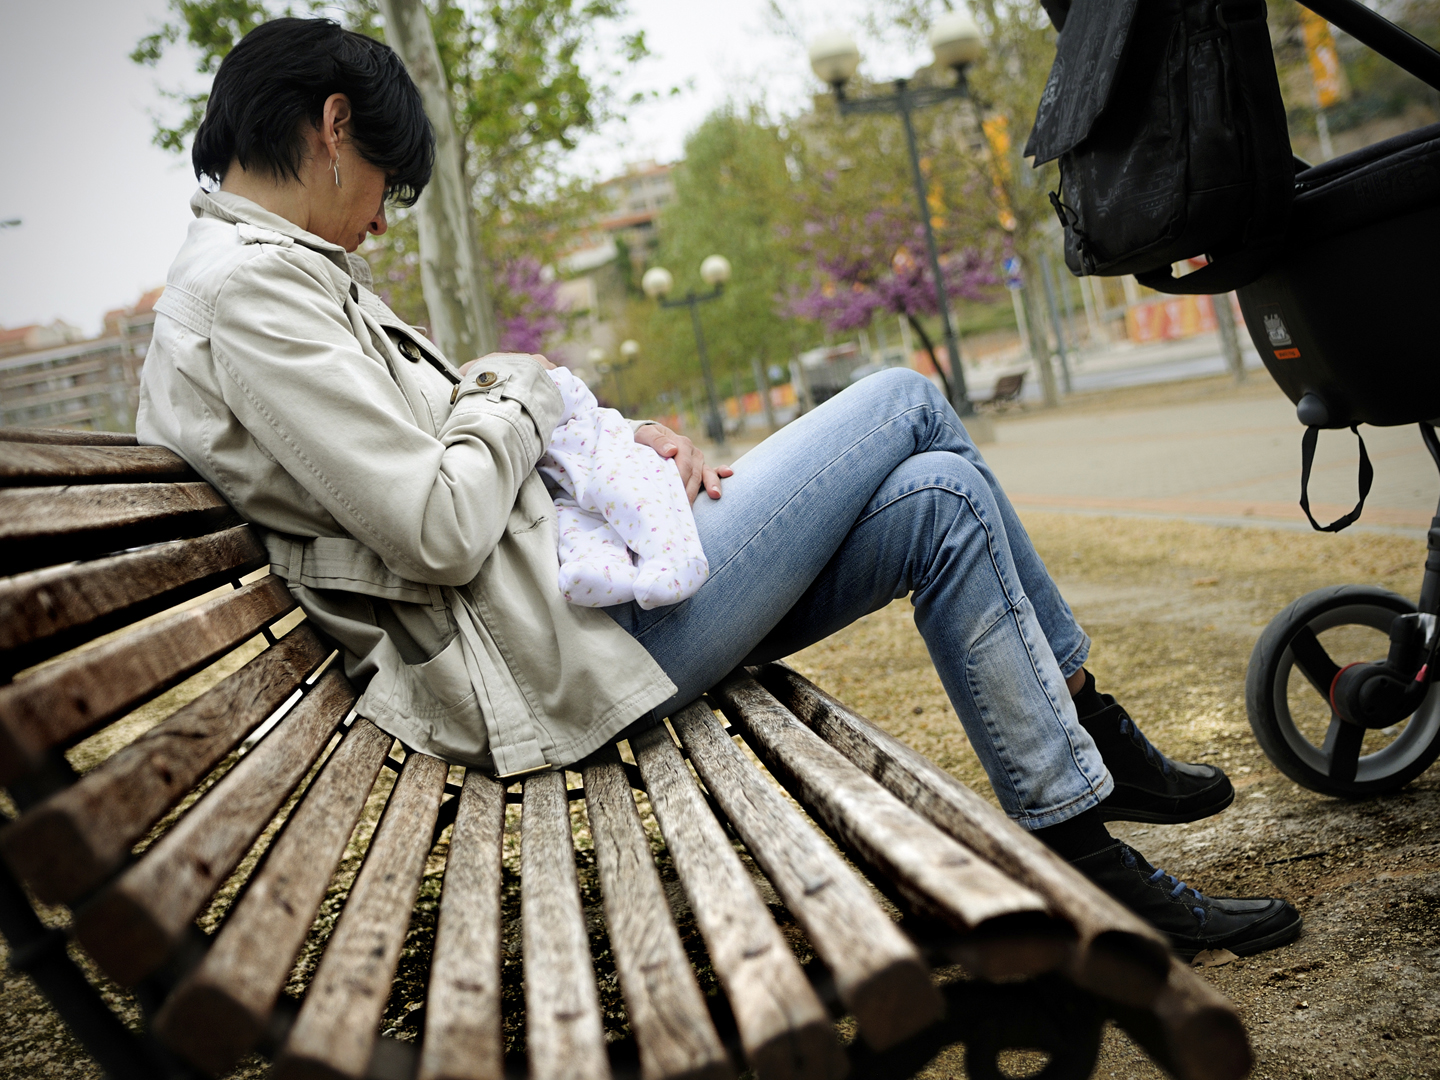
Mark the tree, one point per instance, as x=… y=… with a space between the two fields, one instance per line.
x=860 y=242
x=733 y=196
x=453 y=274
x=522 y=89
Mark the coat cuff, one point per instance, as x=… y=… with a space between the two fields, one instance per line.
x=518 y=377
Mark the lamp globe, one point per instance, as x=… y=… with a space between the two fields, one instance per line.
x=715 y=270
x=657 y=282
x=955 y=39
x=834 y=56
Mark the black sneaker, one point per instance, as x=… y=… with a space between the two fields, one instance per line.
x=1149 y=787
x=1192 y=921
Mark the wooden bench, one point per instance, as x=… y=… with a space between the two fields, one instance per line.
x=736 y=922
x=1007 y=391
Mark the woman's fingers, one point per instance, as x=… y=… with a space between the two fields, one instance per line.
x=712 y=481
x=688 y=460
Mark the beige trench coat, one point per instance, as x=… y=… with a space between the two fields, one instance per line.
x=399 y=501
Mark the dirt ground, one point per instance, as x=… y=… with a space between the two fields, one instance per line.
x=1174 y=609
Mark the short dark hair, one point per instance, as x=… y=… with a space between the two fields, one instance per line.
x=280 y=75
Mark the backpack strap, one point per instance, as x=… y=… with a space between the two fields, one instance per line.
x=1307 y=458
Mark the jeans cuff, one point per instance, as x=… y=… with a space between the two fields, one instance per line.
x=1075 y=659
x=1053 y=815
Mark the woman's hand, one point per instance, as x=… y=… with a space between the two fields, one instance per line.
x=689 y=460
x=546 y=364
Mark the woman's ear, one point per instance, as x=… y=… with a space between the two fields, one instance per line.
x=335 y=125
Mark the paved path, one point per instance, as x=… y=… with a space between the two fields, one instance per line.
x=1234 y=458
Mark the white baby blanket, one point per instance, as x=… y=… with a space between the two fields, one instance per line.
x=626 y=529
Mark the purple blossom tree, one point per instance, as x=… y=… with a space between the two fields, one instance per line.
x=528 y=306
x=878 y=263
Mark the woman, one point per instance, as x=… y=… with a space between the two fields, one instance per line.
x=398 y=497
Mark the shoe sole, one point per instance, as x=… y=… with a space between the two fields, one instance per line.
x=1151 y=817
x=1282 y=936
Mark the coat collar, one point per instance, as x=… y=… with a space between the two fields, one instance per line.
x=235 y=208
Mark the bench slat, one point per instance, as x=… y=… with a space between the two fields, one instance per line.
x=132 y=925
x=335 y=1033
x=673 y=1029
x=1120 y=956
x=564 y=1032
x=784 y=1029
x=23 y=464
x=1016 y=934
x=878 y=972
x=220 y=1011
x=45 y=612
x=50 y=525
x=66 y=437
x=67 y=844
x=463 y=1038
x=78 y=695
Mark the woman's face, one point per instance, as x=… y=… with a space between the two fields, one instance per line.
x=348 y=192
x=355 y=207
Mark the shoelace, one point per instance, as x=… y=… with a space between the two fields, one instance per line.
x=1200 y=912
x=1154 y=757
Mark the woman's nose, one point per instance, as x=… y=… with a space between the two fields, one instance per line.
x=378 y=224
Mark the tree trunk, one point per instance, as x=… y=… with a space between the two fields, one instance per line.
x=452 y=269
x=1229 y=336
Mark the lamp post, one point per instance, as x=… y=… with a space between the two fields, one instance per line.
x=715 y=272
x=956 y=43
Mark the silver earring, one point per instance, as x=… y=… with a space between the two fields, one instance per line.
x=335 y=164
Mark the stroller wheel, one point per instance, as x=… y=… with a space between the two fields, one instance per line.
x=1287 y=694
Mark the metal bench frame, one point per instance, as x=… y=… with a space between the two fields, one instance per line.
x=100 y=536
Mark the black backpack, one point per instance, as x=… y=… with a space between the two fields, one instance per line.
x=1167 y=120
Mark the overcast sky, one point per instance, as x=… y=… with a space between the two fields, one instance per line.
x=103 y=211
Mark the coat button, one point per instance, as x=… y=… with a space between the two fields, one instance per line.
x=485 y=378
x=410 y=351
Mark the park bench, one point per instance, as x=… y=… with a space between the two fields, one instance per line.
x=1007 y=391
x=785 y=918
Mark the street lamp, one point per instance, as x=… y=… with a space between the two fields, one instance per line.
x=715 y=272
x=956 y=42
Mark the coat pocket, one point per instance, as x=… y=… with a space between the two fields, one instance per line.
x=445 y=676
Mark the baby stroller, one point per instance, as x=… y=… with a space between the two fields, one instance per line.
x=1168 y=125
x=1343 y=321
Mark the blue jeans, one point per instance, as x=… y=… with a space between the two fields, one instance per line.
x=879 y=493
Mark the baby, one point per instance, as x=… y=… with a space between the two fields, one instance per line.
x=627 y=531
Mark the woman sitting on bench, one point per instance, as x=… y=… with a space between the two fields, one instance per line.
x=399 y=498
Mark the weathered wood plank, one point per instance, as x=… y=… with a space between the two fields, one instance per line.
x=1191 y=1029
x=49 y=525
x=564 y=1032
x=672 y=1027
x=335 y=1032
x=80 y=694
x=878 y=973
x=66 y=437
x=66 y=845
x=31 y=463
x=133 y=924
x=218 y=1013
x=1011 y=931
x=1120 y=956
x=45 y=612
x=462 y=1006
x=784 y=1028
